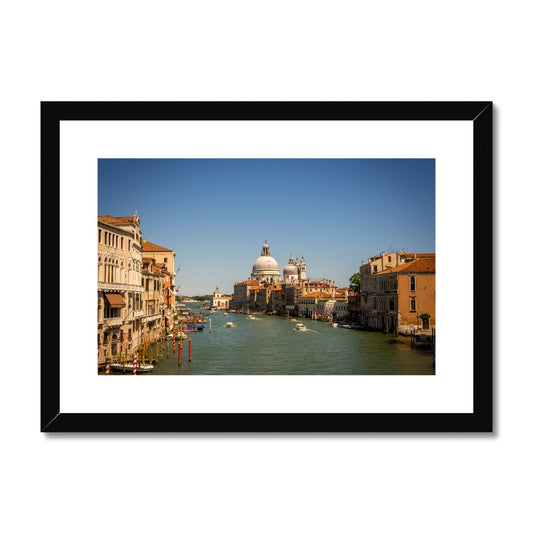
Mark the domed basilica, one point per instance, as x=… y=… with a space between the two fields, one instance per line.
x=266 y=268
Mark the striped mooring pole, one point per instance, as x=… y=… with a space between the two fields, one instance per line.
x=179 y=353
x=107 y=369
x=174 y=341
x=135 y=364
x=189 y=349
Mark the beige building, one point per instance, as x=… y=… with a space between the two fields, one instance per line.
x=164 y=259
x=119 y=309
x=242 y=295
x=153 y=284
x=162 y=256
x=220 y=302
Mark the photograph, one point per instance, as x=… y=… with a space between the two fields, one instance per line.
x=266 y=267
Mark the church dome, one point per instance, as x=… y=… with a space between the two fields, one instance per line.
x=265 y=262
x=265 y=267
x=291 y=270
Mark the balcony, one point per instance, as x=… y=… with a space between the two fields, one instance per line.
x=120 y=287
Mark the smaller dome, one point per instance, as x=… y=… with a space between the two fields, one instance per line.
x=290 y=270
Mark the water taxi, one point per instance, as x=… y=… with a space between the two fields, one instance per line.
x=300 y=327
x=229 y=325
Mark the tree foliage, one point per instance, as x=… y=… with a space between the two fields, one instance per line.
x=355 y=282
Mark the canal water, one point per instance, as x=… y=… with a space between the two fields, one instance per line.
x=271 y=345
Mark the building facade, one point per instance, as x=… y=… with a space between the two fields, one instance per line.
x=402 y=297
x=119 y=309
x=218 y=301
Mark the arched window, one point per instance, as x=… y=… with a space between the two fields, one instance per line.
x=412 y=283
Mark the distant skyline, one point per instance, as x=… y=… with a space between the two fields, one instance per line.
x=217 y=213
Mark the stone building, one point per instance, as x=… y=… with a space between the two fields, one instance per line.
x=242 y=294
x=220 y=302
x=119 y=309
x=164 y=258
x=153 y=322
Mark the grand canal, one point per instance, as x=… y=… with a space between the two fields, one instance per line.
x=270 y=345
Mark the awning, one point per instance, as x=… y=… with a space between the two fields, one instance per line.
x=115 y=300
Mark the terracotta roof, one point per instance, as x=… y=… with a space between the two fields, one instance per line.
x=419 y=256
x=150 y=247
x=420 y=265
x=316 y=294
x=249 y=282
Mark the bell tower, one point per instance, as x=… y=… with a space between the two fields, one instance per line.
x=303 y=270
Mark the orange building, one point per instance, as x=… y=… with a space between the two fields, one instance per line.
x=403 y=297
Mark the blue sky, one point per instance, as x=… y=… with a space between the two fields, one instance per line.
x=217 y=213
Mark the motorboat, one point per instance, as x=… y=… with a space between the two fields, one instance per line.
x=334 y=324
x=251 y=317
x=300 y=327
x=128 y=367
x=225 y=314
x=229 y=325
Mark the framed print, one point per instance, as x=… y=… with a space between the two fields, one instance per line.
x=266 y=266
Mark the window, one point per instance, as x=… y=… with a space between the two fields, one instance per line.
x=122 y=243
x=99 y=236
x=391 y=304
x=390 y=258
x=375 y=268
x=166 y=259
x=412 y=304
x=412 y=283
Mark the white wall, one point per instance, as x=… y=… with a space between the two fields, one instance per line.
x=241 y=50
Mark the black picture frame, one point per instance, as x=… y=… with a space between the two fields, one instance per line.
x=480 y=420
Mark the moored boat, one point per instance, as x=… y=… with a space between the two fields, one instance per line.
x=128 y=367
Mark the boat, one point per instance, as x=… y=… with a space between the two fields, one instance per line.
x=128 y=367
x=225 y=314
x=229 y=325
x=251 y=317
x=347 y=326
x=423 y=341
x=300 y=327
x=199 y=327
x=334 y=324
